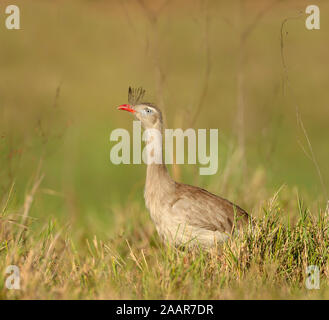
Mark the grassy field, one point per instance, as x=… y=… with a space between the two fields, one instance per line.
x=76 y=225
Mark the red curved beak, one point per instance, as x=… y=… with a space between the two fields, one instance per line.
x=126 y=107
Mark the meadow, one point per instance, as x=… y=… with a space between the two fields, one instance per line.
x=76 y=225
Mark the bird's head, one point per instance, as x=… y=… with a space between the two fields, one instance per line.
x=149 y=115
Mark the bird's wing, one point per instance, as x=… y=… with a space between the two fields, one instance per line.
x=202 y=209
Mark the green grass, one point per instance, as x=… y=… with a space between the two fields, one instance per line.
x=268 y=260
x=86 y=233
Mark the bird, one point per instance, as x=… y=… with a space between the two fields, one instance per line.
x=183 y=215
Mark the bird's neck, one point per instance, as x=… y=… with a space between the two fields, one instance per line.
x=157 y=175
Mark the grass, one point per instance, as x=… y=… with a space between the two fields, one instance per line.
x=265 y=261
x=76 y=225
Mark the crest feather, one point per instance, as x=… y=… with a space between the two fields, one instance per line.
x=135 y=95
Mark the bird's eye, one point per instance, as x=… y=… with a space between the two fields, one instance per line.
x=148 y=110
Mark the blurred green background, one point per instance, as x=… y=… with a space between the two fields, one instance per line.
x=63 y=74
